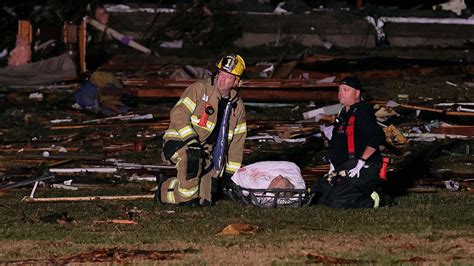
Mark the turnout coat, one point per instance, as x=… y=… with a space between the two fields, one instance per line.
x=195 y=116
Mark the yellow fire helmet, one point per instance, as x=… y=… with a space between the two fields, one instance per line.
x=233 y=64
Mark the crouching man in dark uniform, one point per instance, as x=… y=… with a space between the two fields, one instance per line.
x=205 y=138
x=353 y=179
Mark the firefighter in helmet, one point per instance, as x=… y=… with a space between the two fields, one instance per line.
x=205 y=138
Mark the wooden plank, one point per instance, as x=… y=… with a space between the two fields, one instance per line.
x=413 y=71
x=434 y=110
x=69 y=33
x=251 y=83
x=155 y=125
x=90 y=198
x=119 y=36
x=260 y=90
x=255 y=95
x=421 y=108
x=82 y=45
x=455 y=130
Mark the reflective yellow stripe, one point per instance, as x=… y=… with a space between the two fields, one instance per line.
x=240 y=128
x=186 y=131
x=209 y=125
x=194 y=119
x=187 y=192
x=189 y=104
x=175 y=158
x=170 y=194
x=232 y=167
x=230 y=135
x=171 y=133
x=376 y=198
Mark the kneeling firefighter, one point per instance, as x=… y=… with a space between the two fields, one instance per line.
x=353 y=180
x=206 y=136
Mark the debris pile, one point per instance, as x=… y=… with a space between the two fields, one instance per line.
x=120 y=112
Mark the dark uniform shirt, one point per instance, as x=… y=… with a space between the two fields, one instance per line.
x=366 y=133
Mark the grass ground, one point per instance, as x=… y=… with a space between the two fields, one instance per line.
x=432 y=228
x=423 y=228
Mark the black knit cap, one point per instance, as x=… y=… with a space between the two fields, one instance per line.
x=352 y=82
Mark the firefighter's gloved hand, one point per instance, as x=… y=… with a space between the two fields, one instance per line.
x=356 y=170
x=194 y=150
x=194 y=154
x=228 y=187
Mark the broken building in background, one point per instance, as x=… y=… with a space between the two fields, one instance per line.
x=94 y=99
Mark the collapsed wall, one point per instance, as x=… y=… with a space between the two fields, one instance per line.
x=328 y=28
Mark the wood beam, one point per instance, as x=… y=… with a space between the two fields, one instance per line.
x=82 y=45
x=260 y=90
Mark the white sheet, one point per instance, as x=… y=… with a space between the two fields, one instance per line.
x=259 y=175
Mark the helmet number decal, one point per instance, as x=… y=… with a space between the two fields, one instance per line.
x=229 y=64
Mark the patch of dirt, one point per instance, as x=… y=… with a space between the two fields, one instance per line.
x=330 y=248
x=336 y=248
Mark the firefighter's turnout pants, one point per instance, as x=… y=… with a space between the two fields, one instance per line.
x=193 y=180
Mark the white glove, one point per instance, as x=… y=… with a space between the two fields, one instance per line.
x=331 y=168
x=356 y=170
x=327 y=131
